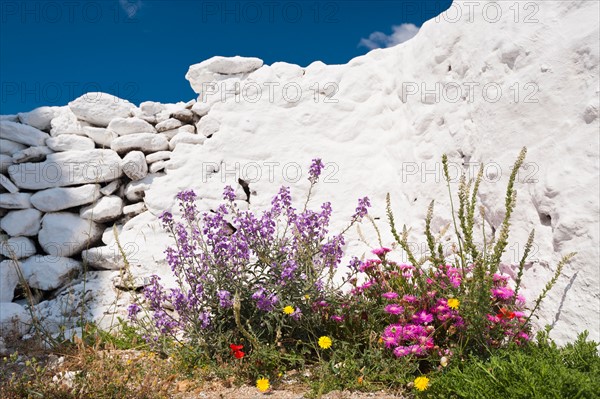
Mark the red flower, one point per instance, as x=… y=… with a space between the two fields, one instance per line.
x=236 y=351
x=235 y=348
x=505 y=314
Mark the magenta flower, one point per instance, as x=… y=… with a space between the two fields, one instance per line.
x=394 y=309
x=422 y=317
x=337 y=319
x=410 y=298
x=503 y=293
x=380 y=251
x=389 y=295
x=401 y=351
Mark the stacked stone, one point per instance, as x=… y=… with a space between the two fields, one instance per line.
x=67 y=175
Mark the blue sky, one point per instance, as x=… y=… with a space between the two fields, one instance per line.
x=54 y=51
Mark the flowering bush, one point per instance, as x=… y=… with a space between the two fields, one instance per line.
x=245 y=276
x=248 y=282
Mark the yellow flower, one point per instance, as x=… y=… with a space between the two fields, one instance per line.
x=421 y=383
x=288 y=310
x=325 y=342
x=453 y=303
x=262 y=384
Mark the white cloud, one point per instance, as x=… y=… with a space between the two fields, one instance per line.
x=400 y=34
x=131 y=7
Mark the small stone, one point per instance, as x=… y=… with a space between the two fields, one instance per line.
x=15 y=320
x=134 y=165
x=70 y=142
x=157 y=166
x=15 y=201
x=60 y=198
x=65 y=234
x=19 y=247
x=8 y=184
x=40 y=118
x=158 y=156
x=169 y=124
x=104 y=210
x=123 y=126
x=186 y=116
x=188 y=138
x=49 y=272
x=134 y=209
x=145 y=142
x=24 y=222
x=9 y=279
x=201 y=109
x=101 y=136
x=10 y=147
x=23 y=134
x=31 y=154
x=100 y=108
x=110 y=188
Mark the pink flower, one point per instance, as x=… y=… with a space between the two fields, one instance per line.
x=394 y=309
x=422 y=317
x=503 y=293
x=380 y=251
x=401 y=351
x=410 y=298
x=389 y=295
x=337 y=319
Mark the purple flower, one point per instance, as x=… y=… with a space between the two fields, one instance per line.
x=422 y=317
x=410 y=298
x=389 y=295
x=229 y=194
x=315 y=170
x=337 y=319
x=224 y=299
x=361 y=209
x=401 y=351
x=133 y=310
x=394 y=309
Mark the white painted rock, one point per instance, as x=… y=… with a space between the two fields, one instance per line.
x=134 y=209
x=6 y=183
x=40 y=118
x=201 y=108
x=65 y=234
x=32 y=154
x=67 y=169
x=108 y=236
x=101 y=136
x=20 y=247
x=11 y=118
x=110 y=187
x=100 y=108
x=169 y=124
x=123 y=126
x=134 y=191
x=15 y=320
x=208 y=126
x=15 y=200
x=152 y=107
x=49 y=272
x=23 y=134
x=104 y=210
x=157 y=166
x=134 y=165
x=158 y=156
x=60 y=198
x=188 y=138
x=9 y=147
x=186 y=116
x=169 y=134
x=145 y=142
x=204 y=72
x=104 y=258
x=5 y=162
x=25 y=222
x=66 y=122
x=70 y=142
x=9 y=279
